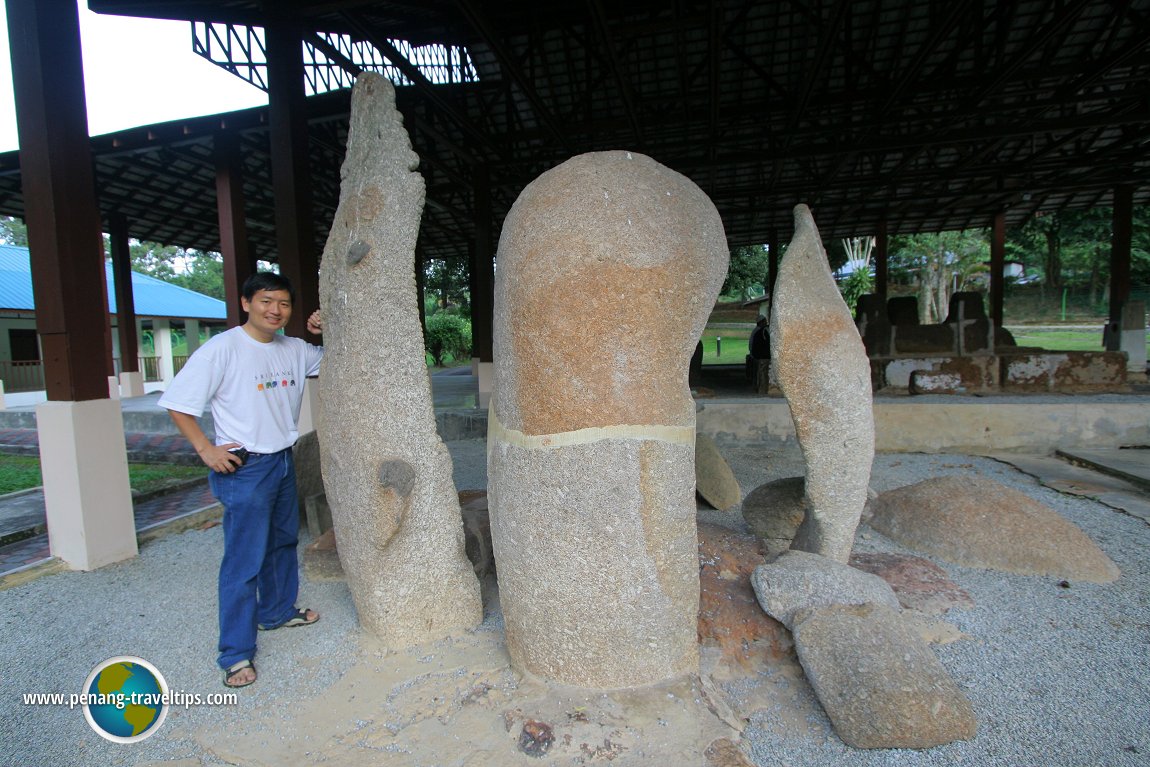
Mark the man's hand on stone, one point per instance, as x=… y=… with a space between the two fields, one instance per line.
x=315 y=323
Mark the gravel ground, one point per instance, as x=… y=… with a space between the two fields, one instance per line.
x=1058 y=676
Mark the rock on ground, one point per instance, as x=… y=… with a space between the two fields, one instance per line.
x=714 y=480
x=774 y=512
x=799 y=581
x=880 y=684
x=977 y=522
x=730 y=617
x=918 y=583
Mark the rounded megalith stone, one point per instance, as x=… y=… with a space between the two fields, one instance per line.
x=978 y=522
x=608 y=267
x=774 y=512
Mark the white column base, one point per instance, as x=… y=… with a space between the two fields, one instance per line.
x=132 y=384
x=475 y=366
x=113 y=387
x=309 y=409
x=485 y=372
x=3 y=404
x=84 y=463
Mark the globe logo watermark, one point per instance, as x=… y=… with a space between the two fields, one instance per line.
x=125 y=699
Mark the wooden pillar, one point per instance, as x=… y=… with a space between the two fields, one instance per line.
x=59 y=197
x=997 y=269
x=287 y=117
x=1120 y=246
x=83 y=458
x=772 y=260
x=881 y=262
x=125 y=300
x=482 y=269
x=238 y=261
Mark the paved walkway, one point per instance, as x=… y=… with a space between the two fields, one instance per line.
x=23 y=536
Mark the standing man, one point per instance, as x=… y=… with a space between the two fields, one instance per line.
x=252 y=379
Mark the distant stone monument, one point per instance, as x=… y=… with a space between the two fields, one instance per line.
x=824 y=373
x=608 y=267
x=386 y=472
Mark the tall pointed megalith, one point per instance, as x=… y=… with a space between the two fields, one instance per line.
x=386 y=472
x=823 y=370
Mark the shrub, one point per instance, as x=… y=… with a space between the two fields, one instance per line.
x=447 y=335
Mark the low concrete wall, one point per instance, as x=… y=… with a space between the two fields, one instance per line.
x=953 y=424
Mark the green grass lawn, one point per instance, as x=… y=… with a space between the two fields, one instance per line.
x=20 y=472
x=1060 y=340
x=733 y=346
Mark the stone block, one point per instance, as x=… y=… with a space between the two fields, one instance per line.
x=1064 y=371
x=774 y=512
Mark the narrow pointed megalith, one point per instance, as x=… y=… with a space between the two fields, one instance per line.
x=609 y=265
x=824 y=373
x=386 y=472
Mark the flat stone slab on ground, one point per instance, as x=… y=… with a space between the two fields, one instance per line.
x=918 y=583
x=1076 y=480
x=730 y=617
x=1130 y=464
x=880 y=684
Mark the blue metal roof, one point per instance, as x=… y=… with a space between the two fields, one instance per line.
x=152 y=297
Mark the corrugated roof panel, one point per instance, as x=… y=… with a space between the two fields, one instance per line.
x=152 y=297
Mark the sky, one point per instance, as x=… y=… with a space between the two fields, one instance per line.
x=136 y=72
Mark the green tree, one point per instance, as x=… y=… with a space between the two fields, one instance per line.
x=941 y=264
x=447 y=335
x=195 y=270
x=448 y=283
x=1072 y=248
x=13 y=231
x=747 y=272
x=860 y=281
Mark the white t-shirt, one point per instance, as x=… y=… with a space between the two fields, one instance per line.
x=254 y=389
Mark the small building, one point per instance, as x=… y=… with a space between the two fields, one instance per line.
x=168 y=319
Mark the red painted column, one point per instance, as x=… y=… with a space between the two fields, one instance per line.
x=238 y=261
x=125 y=300
x=60 y=198
x=482 y=270
x=773 y=256
x=287 y=116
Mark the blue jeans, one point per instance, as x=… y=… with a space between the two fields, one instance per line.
x=259 y=576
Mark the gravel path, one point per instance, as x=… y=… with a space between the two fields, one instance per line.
x=1058 y=676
